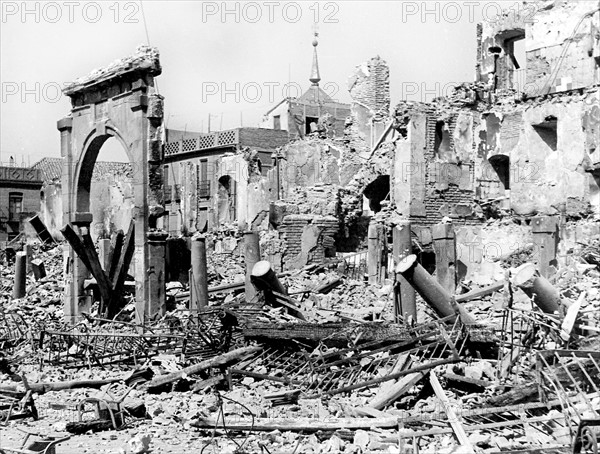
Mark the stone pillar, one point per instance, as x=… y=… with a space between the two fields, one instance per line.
x=199 y=279
x=251 y=256
x=545 y=240
x=20 y=275
x=73 y=292
x=156 y=303
x=444 y=246
x=376 y=252
x=81 y=223
x=405 y=303
x=104 y=254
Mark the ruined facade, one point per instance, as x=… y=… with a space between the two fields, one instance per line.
x=215 y=179
x=522 y=139
x=19 y=199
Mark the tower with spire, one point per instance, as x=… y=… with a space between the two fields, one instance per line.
x=298 y=114
x=315 y=77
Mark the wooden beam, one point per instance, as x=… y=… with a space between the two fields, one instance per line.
x=116 y=246
x=298 y=425
x=395 y=391
x=217 y=361
x=101 y=277
x=457 y=427
x=479 y=293
x=121 y=271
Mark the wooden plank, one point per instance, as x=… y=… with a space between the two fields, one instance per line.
x=290 y=304
x=75 y=242
x=395 y=391
x=457 y=427
x=116 y=247
x=298 y=425
x=104 y=284
x=479 y=293
x=121 y=271
x=217 y=361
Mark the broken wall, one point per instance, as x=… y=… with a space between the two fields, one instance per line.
x=370 y=92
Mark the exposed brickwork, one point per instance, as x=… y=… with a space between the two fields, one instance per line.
x=370 y=85
x=308 y=238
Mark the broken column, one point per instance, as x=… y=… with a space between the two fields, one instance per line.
x=265 y=278
x=199 y=278
x=444 y=246
x=20 y=275
x=376 y=253
x=431 y=290
x=545 y=239
x=38 y=268
x=538 y=288
x=251 y=256
x=405 y=304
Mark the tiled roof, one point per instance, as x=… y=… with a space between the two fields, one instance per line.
x=52 y=169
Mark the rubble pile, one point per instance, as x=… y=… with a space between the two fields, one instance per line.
x=324 y=372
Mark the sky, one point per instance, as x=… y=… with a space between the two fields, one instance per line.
x=231 y=61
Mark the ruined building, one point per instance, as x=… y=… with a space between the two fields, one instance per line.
x=314 y=110
x=19 y=199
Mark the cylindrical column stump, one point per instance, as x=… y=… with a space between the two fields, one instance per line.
x=20 y=275
x=199 y=281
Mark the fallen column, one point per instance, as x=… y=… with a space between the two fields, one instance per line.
x=199 y=280
x=538 y=288
x=431 y=290
x=20 y=275
x=264 y=278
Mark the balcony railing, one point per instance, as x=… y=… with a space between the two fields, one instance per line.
x=204 y=142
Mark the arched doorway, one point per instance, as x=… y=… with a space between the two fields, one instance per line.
x=117 y=102
x=111 y=192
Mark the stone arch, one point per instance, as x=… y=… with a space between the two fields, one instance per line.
x=119 y=101
x=85 y=165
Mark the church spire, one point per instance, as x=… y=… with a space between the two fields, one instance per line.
x=314 y=72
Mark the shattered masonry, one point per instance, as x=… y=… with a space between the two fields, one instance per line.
x=364 y=277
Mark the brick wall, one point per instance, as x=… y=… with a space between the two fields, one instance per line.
x=308 y=238
x=371 y=85
x=454 y=200
x=266 y=139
